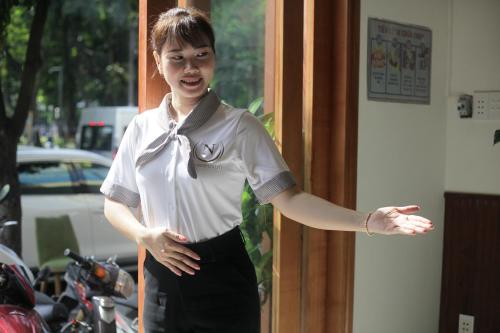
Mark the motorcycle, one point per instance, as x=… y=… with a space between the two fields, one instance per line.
x=22 y=309
x=17 y=301
x=98 y=295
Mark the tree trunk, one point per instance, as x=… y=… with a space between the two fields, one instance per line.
x=12 y=128
x=10 y=208
x=69 y=91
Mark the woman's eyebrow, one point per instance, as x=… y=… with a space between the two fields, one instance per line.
x=195 y=47
x=174 y=50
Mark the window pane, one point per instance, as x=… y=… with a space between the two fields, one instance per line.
x=93 y=176
x=45 y=178
x=239 y=39
x=239 y=80
x=97 y=137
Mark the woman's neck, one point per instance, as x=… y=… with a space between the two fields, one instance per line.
x=181 y=106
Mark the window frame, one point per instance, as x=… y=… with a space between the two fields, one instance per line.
x=71 y=172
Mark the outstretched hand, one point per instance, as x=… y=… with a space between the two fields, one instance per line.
x=398 y=220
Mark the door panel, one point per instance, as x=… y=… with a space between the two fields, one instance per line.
x=48 y=189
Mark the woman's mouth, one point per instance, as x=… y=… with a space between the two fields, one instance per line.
x=191 y=82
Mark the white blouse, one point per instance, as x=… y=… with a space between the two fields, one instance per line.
x=189 y=176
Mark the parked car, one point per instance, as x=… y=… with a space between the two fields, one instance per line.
x=66 y=182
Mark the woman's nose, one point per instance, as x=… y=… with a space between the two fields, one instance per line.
x=191 y=65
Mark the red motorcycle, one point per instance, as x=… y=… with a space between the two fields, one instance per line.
x=22 y=309
x=17 y=303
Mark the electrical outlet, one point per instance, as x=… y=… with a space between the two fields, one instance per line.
x=486 y=105
x=481 y=102
x=465 y=323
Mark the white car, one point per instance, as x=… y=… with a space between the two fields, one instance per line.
x=58 y=182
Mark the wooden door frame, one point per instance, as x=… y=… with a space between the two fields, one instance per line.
x=284 y=96
x=152 y=88
x=331 y=76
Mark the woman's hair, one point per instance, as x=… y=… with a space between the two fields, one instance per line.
x=182 y=25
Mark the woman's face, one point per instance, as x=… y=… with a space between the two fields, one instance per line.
x=188 y=70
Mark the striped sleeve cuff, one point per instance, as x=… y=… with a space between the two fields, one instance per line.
x=274 y=186
x=121 y=194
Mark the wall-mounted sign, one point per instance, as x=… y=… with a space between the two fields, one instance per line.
x=399 y=62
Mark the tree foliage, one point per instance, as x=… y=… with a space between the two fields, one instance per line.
x=88 y=41
x=12 y=123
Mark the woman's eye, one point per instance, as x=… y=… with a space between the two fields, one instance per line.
x=176 y=58
x=202 y=54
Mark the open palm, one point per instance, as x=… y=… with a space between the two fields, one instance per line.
x=398 y=220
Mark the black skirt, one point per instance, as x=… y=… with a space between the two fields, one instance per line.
x=221 y=297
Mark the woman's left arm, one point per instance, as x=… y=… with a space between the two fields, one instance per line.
x=318 y=213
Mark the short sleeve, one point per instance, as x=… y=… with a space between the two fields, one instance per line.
x=120 y=183
x=266 y=171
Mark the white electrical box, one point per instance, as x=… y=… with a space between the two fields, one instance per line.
x=486 y=105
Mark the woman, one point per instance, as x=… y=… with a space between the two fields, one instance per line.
x=185 y=163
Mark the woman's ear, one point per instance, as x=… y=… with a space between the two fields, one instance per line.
x=158 y=61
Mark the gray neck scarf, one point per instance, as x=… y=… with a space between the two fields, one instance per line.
x=197 y=117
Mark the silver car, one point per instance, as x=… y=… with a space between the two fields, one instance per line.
x=66 y=182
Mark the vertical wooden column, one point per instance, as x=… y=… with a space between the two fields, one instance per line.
x=344 y=144
x=285 y=28
x=331 y=52
x=152 y=88
x=316 y=167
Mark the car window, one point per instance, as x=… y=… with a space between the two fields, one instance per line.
x=96 y=137
x=93 y=175
x=45 y=178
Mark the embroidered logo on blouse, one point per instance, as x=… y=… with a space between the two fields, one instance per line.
x=208 y=152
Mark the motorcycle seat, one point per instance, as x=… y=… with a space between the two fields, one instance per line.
x=52 y=312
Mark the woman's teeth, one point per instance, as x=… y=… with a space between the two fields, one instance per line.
x=192 y=82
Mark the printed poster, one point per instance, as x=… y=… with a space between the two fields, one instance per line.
x=399 y=62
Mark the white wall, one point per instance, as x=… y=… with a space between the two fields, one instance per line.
x=472 y=162
x=401 y=160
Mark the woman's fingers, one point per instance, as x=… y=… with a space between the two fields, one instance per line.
x=178 y=257
x=172 y=268
x=420 y=222
x=175 y=236
x=184 y=250
x=408 y=209
x=414 y=222
x=412 y=227
x=405 y=231
x=179 y=265
x=183 y=258
x=176 y=263
x=420 y=219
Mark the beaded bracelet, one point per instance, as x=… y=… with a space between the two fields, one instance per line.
x=366 y=225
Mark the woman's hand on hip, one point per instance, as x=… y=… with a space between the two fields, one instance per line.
x=166 y=247
x=397 y=220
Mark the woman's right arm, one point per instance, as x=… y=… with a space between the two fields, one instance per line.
x=163 y=244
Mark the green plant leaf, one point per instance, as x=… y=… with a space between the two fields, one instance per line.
x=255 y=105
